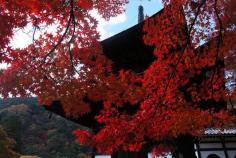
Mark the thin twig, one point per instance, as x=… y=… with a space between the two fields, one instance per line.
x=183 y=50
x=219 y=42
x=72 y=38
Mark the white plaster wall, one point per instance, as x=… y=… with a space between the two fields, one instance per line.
x=108 y=156
x=103 y=156
x=204 y=154
x=232 y=154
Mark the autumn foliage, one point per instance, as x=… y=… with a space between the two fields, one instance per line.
x=181 y=93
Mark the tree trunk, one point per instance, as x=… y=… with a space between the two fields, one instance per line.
x=175 y=154
x=185 y=146
x=122 y=154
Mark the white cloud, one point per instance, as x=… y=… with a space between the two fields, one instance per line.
x=22 y=38
x=103 y=24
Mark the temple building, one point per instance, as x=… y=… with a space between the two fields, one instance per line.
x=128 y=51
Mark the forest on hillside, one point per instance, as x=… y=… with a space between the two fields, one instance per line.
x=37 y=131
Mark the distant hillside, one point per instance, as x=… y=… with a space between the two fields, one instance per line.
x=38 y=134
x=16 y=101
x=7 y=146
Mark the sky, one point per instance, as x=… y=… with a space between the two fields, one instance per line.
x=128 y=19
x=106 y=28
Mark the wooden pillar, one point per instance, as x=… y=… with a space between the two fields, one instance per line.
x=198 y=150
x=175 y=154
x=185 y=145
x=224 y=148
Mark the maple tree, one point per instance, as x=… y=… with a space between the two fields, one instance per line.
x=182 y=92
